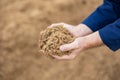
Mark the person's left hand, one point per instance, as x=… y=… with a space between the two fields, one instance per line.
x=78 y=30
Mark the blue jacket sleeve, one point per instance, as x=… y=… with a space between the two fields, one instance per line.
x=110 y=35
x=102 y=16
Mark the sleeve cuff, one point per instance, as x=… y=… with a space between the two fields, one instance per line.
x=109 y=39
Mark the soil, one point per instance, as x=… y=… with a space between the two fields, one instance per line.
x=20 y=24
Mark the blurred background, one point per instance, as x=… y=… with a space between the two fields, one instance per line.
x=20 y=24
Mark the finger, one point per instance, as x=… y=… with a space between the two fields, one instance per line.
x=68 y=57
x=68 y=27
x=51 y=56
x=54 y=25
x=65 y=57
x=70 y=46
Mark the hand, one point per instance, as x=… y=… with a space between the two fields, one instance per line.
x=80 y=44
x=77 y=46
x=78 y=31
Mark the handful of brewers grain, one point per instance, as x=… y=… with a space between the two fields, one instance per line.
x=52 y=38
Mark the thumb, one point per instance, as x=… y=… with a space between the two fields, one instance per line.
x=69 y=46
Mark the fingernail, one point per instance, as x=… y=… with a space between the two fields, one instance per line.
x=61 y=48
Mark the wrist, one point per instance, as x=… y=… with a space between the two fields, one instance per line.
x=83 y=30
x=82 y=43
x=86 y=43
x=92 y=40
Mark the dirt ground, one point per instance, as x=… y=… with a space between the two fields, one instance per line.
x=20 y=24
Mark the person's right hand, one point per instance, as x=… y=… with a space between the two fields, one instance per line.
x=76 y=47
x=78 y=31
x=80 y=44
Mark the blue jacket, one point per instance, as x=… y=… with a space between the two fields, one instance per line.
x=106 y=20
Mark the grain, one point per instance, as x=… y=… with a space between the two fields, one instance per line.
x=51 y=39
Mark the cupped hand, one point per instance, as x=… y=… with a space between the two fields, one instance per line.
x=80 y=44
x=76 y=46
x=78 y=31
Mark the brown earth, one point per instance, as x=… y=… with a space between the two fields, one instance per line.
x=20 y=24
